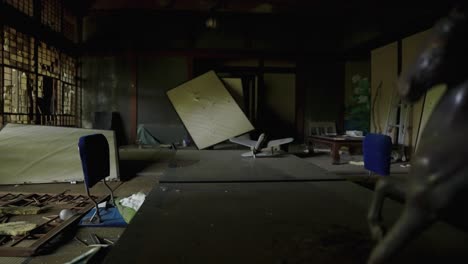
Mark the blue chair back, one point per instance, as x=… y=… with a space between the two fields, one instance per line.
x=94 y=154
x=377 y=149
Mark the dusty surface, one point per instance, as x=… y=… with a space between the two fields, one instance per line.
x=285 y=222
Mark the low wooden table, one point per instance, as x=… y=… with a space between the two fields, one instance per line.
x=336 y=142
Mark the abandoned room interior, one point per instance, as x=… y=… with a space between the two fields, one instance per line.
x=233 y=131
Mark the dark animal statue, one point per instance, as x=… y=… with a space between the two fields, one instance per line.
x=437 y=186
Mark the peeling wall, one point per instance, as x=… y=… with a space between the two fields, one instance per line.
x=156 y=75
x=106 y=87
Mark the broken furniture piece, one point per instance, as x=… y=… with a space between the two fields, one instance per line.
x=325 y=128
x=94 y=154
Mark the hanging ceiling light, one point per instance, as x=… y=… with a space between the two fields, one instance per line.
x=211 y=22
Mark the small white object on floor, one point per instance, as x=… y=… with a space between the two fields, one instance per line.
x=357 y=163
x=65 y=214
x=405 y=165
x=134 y=201
x=102 y=205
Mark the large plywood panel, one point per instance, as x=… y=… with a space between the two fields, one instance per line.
x=411 y=47
x=384 y=74
x=234 y=86
x=41 y=154
x=208 y=110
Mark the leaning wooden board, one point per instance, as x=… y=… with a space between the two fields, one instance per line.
x=45 y=154
x=208 y=110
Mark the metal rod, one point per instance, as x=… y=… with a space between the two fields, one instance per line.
x=96 y=213
x=81 y=241
x=111 y=192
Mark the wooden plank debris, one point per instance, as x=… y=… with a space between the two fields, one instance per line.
x=21 y=210
x=16 y=228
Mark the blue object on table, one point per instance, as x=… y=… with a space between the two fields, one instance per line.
x=94 y=154
x=377 y=149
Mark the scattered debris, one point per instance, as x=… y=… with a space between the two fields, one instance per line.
x=95 y=239
x=21 y=210
x=38 y=232
x=108 y=241
x=49 y=218
x=134 y=201
x=81 y=241
x=16 y=228
x=82 y=258
x=4 y=218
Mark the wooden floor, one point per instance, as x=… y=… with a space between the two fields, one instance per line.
x=265 y=222
x=242 y=222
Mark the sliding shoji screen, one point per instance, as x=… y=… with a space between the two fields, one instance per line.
x=18 y=76
x=69 y=89
x=39 y=82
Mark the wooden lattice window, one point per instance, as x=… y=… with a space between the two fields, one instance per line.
x=69 y=99
x=25 y=6
x=49 y=63
x=17 y=93
x=70 y=25
x=51 y=14
x=68 y=65
x=18 y=49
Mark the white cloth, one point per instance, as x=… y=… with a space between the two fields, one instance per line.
x=134 y=201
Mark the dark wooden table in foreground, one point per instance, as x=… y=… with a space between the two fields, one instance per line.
x=264 y=222
x=336 y=142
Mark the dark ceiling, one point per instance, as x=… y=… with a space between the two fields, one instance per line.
x=350 y=23
x=272 y=6
x=350 y=13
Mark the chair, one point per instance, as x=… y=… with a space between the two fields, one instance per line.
x=94 y=154
x=322 y=128
x=377 y=149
